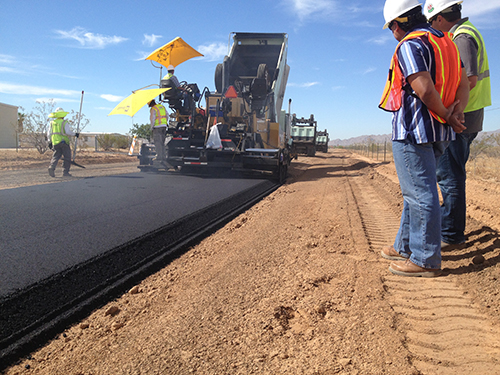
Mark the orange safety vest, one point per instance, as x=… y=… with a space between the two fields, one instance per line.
x=161 y=115
x=448 y=73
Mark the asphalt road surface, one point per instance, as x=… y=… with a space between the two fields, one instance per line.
x=46 y=229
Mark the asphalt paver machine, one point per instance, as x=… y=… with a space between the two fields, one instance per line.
x=242 y=127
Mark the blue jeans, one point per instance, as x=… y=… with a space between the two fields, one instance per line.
x=451 y=179
x=419 y=235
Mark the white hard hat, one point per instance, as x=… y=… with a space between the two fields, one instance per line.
x=59 y=109
x=170 y=67
x=395 y=8
x=434 y=7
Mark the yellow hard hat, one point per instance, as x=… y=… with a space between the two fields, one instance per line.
x=58 y=113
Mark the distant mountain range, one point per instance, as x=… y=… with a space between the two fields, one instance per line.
x=381 y=138
x=362 y=139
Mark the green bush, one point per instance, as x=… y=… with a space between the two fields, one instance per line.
x=110 y=141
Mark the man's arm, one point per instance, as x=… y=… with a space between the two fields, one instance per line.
x=67 y=128
x=152 y=117
x=472 y=81
x=423 y=86
x=468 y=48
x=462 y=95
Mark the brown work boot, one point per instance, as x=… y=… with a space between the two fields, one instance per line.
x=388 y=252
x=409 y=268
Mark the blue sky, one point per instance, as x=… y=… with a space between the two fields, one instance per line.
x=338 y=54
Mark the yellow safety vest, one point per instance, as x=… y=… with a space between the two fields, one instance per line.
x=161 y=118
x=58 y=132
x=480 y=95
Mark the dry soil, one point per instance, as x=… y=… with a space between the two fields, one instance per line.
x=296 y=285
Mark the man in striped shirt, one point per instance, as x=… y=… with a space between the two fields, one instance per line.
x=427 y=92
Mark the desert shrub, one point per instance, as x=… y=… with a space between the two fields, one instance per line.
x=110 y=141
x=142 y=131
x=122 y=141
x=106 y=141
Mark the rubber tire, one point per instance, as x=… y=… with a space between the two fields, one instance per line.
x=263 y=72
x=218 y=78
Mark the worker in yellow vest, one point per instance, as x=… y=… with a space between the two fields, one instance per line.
x=158 y=119
x=58 y=137
x=445 y=15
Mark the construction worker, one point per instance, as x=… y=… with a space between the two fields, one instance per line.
x=177 y=95
x=445 y=15
x=171 y=76
x=427 y=91
x=58 y=136
x=158 y=119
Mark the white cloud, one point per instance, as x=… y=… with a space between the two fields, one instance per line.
x=4 y=69
x=90 y=40
x=8 y=88
x=303 y=85
x=7 y=59
x=369 y=70
x=151 y=40
x=483 y=13
x=142 y=55
x=332 y=11
x=111 y=98
x=56 y=100
x=306 y=9
x=381 y=39
x=480 y=7
x=214 y=51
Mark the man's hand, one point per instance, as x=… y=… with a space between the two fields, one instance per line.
x=77 y=135
x=456 y=118
x=423 y=86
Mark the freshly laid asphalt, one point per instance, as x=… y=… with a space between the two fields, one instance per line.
x=46 y=229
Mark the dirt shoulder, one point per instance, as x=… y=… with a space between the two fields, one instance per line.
x=295 y=285
x=28 y=167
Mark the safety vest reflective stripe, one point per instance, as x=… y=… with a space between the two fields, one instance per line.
x=450 y=74
x=58 y=131
x=448 y=69
x=161 y=115
x=480 y=95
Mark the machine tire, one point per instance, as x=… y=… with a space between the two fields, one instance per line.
x=311 y=151
x=218 y=78
x=282 y=173
x=263 y=72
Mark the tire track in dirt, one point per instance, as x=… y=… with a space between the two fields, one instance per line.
x=445 y=332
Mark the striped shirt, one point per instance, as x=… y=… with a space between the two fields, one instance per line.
x=413 y=122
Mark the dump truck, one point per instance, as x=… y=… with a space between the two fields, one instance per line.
x=322 y=140
x=242 y=127
x=303 y=136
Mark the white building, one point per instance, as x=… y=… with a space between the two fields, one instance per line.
x=89 y=139
x=8 y=126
